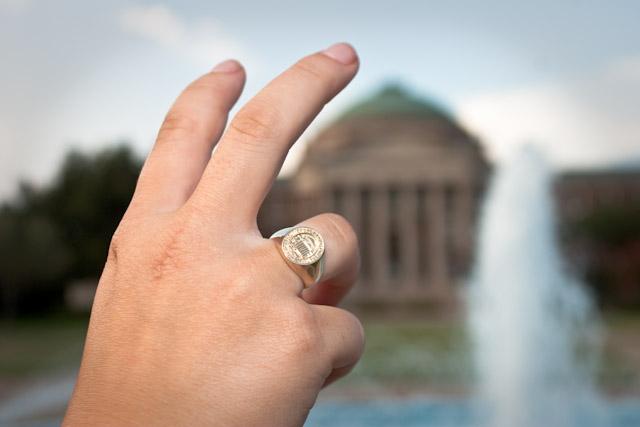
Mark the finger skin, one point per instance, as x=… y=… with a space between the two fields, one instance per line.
x=199 y=325
x=341 y=257
x=186 y=138
x=343 y=337
x=256 y=143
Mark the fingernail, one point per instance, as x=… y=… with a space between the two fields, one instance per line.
x=228 y=66
x=341 y=52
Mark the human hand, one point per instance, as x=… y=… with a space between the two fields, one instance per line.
x=197 y=319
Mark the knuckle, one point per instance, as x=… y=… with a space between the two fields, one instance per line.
x=256 y=122
x=193 y=217
x=356 y=328
x=207 y=83
x=310 y=70
x=214 y=96
x=115 y=247
x=340 y=227
x=119 y=239
x=307 y=67
x=303 y=337
x=177 y=126
x=172 y=253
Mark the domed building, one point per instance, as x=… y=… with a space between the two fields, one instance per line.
x=408 y=178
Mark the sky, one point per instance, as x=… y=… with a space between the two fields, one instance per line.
x=562 y=75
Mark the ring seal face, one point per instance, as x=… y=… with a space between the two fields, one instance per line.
x=303 y=246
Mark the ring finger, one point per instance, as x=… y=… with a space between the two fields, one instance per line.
x=341 y=259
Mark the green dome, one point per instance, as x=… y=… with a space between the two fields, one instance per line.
x=393 y=99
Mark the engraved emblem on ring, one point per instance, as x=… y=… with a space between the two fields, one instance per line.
x=303 y=246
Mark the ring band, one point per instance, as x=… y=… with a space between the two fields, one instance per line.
x=303 y=250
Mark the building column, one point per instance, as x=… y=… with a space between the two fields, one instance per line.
x=436 y=241
x=314 y=202
x=352 y=211
x=462 y=227
x=379 y=238
x=352 y=207
x=409 y=238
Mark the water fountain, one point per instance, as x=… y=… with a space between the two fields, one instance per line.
x=535 y=335
x=531 y=324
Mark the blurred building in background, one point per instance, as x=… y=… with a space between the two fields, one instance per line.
x=410 y=181
x=408 y=178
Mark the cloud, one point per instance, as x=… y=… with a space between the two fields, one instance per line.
x=14 y=5
x=203 y=41
x=625 y=69
x=593 y=120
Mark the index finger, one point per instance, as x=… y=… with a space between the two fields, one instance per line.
x=252 y=150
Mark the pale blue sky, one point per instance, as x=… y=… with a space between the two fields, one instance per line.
x=565 y=75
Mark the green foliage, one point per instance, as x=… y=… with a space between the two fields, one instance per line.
x=414 y=352
x=32 y=253
x=61 y=232
x=39 y=345
x=87 y=200
x=614 y=226
x=611 y=237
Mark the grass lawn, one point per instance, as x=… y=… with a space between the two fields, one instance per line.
x=31 y=347
x=620 y=367
x=401 y=354
x=435 y=356
x=414 y=353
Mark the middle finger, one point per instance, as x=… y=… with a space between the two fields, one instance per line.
x=251 y=152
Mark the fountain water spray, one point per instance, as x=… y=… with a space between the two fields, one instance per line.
x=531 y=324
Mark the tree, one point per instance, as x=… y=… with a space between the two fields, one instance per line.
x=61 y=232
x=613 y=258
x=87 y=200
x=32 y=254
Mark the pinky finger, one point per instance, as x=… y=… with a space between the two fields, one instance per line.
x=343 y=337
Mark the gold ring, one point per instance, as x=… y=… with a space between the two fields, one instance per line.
x=303 y=250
